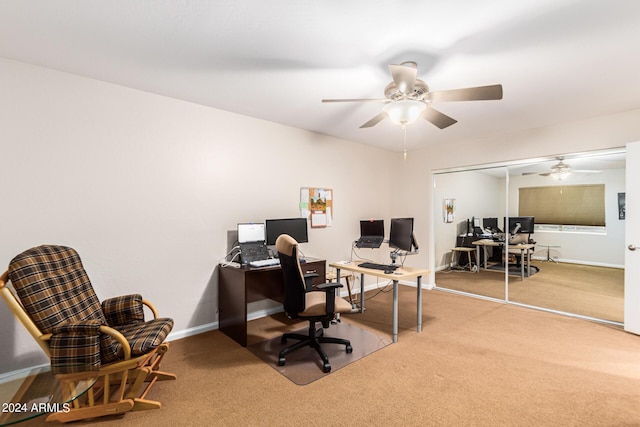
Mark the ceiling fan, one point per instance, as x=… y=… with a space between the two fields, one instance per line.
x=560 y=170
x=408 y=98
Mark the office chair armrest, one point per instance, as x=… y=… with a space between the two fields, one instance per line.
x=330 y=292
x=329 y=286
x=308 y=280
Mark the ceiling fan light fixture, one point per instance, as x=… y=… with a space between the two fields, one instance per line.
x=560 y=175
x=405 y=111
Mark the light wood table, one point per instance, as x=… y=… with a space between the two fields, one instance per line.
x=402 y=273
x=524 y=248
x=468 y=251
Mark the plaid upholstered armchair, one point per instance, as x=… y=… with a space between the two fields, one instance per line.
x=84 y=339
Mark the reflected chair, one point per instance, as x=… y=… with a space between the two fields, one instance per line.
x=302 y=302
x=109 y=344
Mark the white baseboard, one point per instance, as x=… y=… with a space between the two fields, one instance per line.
x=184 y=333
x=566 y=261
x=575 y=261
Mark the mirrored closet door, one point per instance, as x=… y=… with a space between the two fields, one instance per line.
x=576 y=263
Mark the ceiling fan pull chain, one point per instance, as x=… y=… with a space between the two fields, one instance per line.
x=404 y=152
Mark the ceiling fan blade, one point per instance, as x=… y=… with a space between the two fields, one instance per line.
x=480 y=93
x=377 y=119
x=353 y=100
x=437 y=118
x=585 y=171
x=545 y=173
x=532 y=173
x=404 y=77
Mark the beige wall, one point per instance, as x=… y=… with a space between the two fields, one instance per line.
x=147 y=187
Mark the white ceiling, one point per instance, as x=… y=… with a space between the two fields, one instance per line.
x=558 y=60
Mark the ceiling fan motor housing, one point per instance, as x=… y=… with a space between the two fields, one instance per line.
x=420 y=89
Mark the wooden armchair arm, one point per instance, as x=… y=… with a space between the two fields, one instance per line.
x=126 y=348
x=18 y=310
x=151 y=307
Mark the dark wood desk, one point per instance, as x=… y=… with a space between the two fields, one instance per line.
x=239 y=286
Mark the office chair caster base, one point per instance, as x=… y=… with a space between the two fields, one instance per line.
x=326 y=368
x=281 y=361
x=349 y=349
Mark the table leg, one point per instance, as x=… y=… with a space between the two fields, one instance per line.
x=395 y=311
x=349 y=290
x=419 y=280
x=362 y=293
x=528 y=262
x=522 y=264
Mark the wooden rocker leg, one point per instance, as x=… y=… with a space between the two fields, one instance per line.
x=83 y=413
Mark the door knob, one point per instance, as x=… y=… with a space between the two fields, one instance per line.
x=632 y=247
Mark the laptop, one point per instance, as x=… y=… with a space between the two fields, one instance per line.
x=251 y=239
x=371 y=233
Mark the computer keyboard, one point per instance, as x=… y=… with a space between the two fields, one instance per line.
x=375 y=266
x=265 y=262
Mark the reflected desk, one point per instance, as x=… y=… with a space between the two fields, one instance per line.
x=524 y=248
x=237 y=287
x=36 y=393
x=402 y=273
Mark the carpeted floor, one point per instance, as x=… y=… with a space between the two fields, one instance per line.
x=476 y=363
x=592 y=291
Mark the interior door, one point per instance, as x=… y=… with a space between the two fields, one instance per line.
x=632 y=241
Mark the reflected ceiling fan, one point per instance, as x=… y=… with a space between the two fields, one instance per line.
x=408 y=98
x=560 y=170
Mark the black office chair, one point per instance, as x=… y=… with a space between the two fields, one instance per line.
x=301 y=301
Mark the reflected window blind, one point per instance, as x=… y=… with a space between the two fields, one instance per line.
x=564 y=204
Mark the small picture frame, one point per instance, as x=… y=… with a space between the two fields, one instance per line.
x=622 y=206
x=449 y=210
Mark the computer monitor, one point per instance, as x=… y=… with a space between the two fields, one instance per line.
x=250 y=232
x=490 y=223
x=372 y=227
x=294 y=227
x=401 y=234
x=527 y=224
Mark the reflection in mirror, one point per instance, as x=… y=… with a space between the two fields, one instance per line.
x=579 y=236
x=472 y=205
x=573 y=262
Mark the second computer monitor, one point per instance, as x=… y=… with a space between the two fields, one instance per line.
x=490 y=223
x=372 y=227
x=527 y=225
x=294 y=227
x=401 y=234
